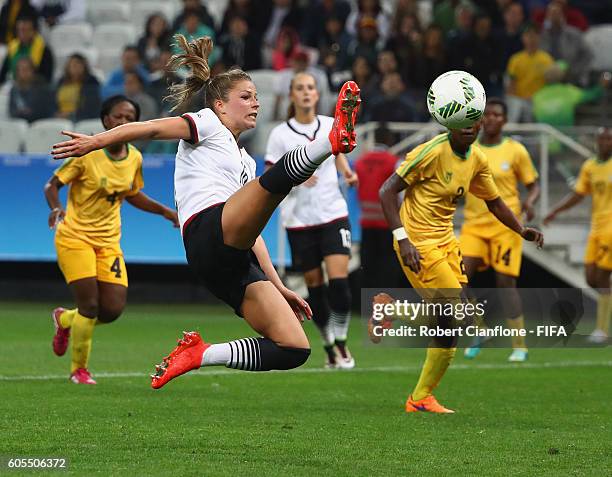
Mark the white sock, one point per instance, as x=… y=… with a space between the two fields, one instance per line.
x=217 y=355
x=318 y=150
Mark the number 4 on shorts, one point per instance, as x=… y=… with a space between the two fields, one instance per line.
x=116 y=267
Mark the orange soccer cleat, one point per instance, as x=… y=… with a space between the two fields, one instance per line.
x=428 y=404
x=342 y=135
x=185 y=357
x=62 y=335
x=381 y=298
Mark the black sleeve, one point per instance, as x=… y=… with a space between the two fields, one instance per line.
x=45 y=68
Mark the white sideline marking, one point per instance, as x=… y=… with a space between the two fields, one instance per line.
x=376 y=369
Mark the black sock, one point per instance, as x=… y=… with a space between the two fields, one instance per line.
x=262 y=354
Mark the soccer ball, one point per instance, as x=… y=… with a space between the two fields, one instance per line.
x=456 y=99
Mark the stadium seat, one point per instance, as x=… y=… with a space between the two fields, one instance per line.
x=99 y=12
x=216 y=8
x=266 y=108
x=113 y=36
x=108 y=60
x=68 y=36
x=264 y=80
x=141 y=10
x=599 y=38
x=44 y=133
x=258 y=144
x=89 y=126
x=12 y=135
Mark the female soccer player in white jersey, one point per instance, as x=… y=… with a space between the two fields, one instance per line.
x=223 y=209
x=315 y=215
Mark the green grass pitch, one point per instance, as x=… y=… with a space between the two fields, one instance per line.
x=550 y=417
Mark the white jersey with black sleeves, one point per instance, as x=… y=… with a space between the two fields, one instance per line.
x=209 y=167
x=308 y=206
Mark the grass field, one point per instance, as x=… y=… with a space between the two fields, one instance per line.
x=551 y=416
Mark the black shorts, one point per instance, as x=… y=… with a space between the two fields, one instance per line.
x=310 y=245
x=225 y=271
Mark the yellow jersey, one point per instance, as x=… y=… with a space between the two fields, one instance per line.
x=527 y=70
x=98 y=185
x=437 y=178
x=595 y=179
x=510 y=163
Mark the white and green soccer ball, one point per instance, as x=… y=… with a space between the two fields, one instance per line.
x=456 y=99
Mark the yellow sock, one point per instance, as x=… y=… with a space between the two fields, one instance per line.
x=66 y=318
x=82 y=332
x=436 y=364
x=518 y=323
x=603 y=312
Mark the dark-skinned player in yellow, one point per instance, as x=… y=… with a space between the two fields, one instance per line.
x=433 y=177
x=485 y=242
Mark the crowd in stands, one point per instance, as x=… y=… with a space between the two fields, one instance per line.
x=393 y=49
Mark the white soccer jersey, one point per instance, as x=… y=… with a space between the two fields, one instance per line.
x=308 y=206
x=210 y=167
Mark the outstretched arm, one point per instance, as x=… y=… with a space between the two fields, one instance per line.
x=143 y=202
x=81 y=144
x=503 y=213
x=569 y=201
x=344 y=168
x=390 y=205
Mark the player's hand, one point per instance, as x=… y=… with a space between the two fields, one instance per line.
x=549 y=218
x=533 y=235
x=529 y=211
x=351 y=179
x=311 y=181
x=299 y=306
x=78 y=145
x=410 y=255
x=172 y=216
x=55 y=217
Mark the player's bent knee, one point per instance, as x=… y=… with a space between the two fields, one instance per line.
x=290 y=358
x=90 y=310
x=340 y=295
x=108 y=316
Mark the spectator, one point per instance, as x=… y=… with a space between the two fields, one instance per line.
x=566 y=43
x=573 y=17
x=509 y=37
x=286 y=49
x=369 y=9
x=193 y=28
x=77 y=95
x=363 y=74
x=11 y=11
x=161 y=79
x=239 y=46
x=393 y=104
x=444 y=14
x=406 y=41
x=319 y=13
x=252 y=11
x=29 y=97
x=299 y=63
x=60 y=12
x=283 y=13
x=194 y=6
x=403 y=9
x=526 y=76
x=430 y=62
x=386 y=63
x=28 y=43
x=134 y=88
x=481 y=57
x=367 y=41
x=336 y=39
x=130 y=63
x=457 y=38
x=378 y=260
x=156 y=38
x=556 y=102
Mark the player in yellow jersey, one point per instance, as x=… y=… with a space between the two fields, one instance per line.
x=595 y=179
x=88 y=233
x=485 y=242
x=434 y=176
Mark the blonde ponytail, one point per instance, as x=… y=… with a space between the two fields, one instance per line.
x=194 y=56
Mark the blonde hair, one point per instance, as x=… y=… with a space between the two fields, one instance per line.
x=291 y=107
x=194 y=56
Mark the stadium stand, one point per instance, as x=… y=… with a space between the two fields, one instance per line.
x=43 y=133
